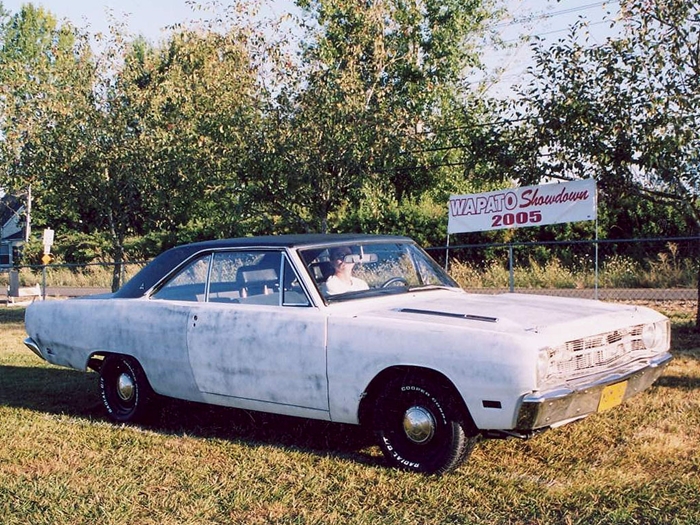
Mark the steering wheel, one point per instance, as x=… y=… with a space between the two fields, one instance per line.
x=394 y=280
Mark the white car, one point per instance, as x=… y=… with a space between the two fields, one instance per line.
x=257 y=323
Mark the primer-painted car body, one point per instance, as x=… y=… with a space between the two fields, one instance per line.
x=518 y=362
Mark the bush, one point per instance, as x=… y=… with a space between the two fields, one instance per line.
x=423 y=219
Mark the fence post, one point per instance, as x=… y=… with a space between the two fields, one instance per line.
x=13 y=285
x=43 y=283
x=447 y=254
x=597 y=254
x=511 y=276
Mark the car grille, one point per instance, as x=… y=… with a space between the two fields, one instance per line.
x=599 y=352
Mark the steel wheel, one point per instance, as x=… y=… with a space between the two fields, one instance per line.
x=418 y=427
x=125 y=389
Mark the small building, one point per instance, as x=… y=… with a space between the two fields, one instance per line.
x=12 y=230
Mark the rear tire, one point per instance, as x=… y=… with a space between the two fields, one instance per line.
x=125 y=391
x=420 y=428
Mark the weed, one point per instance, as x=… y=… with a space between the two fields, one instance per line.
x=617 y=272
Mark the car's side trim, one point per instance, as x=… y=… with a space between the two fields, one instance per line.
x=556 y=407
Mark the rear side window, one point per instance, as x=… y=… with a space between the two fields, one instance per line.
x=189 y=284
x=245 y=277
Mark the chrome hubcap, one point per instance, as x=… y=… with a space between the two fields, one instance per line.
x=418 y=424
x=125 y=387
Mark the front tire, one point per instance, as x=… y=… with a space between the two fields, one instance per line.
x=420 y=428
x=125 y=391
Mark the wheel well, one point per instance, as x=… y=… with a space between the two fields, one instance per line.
x=97 y=359
x=373 y=390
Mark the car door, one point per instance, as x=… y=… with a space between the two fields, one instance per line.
x=257 y=337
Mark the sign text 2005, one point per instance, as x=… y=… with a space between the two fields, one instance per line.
x=512 y=219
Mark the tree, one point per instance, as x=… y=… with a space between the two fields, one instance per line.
x=164 y=136
x=42 y=71
x=625 y=111
x=198 y=102
x=139 y=139
x=381 y=77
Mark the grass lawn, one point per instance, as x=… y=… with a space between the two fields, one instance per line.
x=62 y=462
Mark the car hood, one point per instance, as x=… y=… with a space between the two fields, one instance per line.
x=512 y=312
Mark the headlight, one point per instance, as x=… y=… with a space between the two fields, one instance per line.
x=543 y=363
x=553 y=361
x=650 y=335
x=655 y=335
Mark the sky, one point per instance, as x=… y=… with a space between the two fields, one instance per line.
x=149 y=18
x=144 y=17
x=549 y=20
x=546 y=18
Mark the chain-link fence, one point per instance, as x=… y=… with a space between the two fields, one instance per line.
x=660 y=269
x=65 y=280
x=656 y=269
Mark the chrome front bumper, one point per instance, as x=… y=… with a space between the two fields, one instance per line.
x=29 y=342
x=556 y=407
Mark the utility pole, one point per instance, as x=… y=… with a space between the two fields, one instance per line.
x=28 y=226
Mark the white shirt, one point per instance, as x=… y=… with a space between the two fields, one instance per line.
x=334 y=285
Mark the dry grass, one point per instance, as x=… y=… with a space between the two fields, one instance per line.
x=616 y=272
x=86 y=276
x=61 y=462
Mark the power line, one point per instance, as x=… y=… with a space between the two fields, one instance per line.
x=554 y=31
x=544 y=16
x=495 y=123
x=475 y=125
x=525 y=38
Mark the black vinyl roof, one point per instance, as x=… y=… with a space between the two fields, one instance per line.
x=294 y=240
x=170 y=259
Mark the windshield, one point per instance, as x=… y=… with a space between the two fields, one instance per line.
x=349 y=271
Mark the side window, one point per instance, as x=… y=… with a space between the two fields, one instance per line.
x=242 y=277
x=223 y=287
x=293 y=292
x=189 y=284
x=246 y=277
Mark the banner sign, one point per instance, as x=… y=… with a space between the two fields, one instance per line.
x=523 y=207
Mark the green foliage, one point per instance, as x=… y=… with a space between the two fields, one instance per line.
x=146 y=247
x=71 y=248
x=624 y=111
x=196 y=101
x=135 y=141
x=32 y=252
x=422 y=219
x=377 y=76
x=222 y=130
x=42 y=74
x=81 y=248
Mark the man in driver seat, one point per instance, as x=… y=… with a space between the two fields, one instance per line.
x=342 y=280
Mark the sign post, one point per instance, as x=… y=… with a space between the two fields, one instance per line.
x=46 y=259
